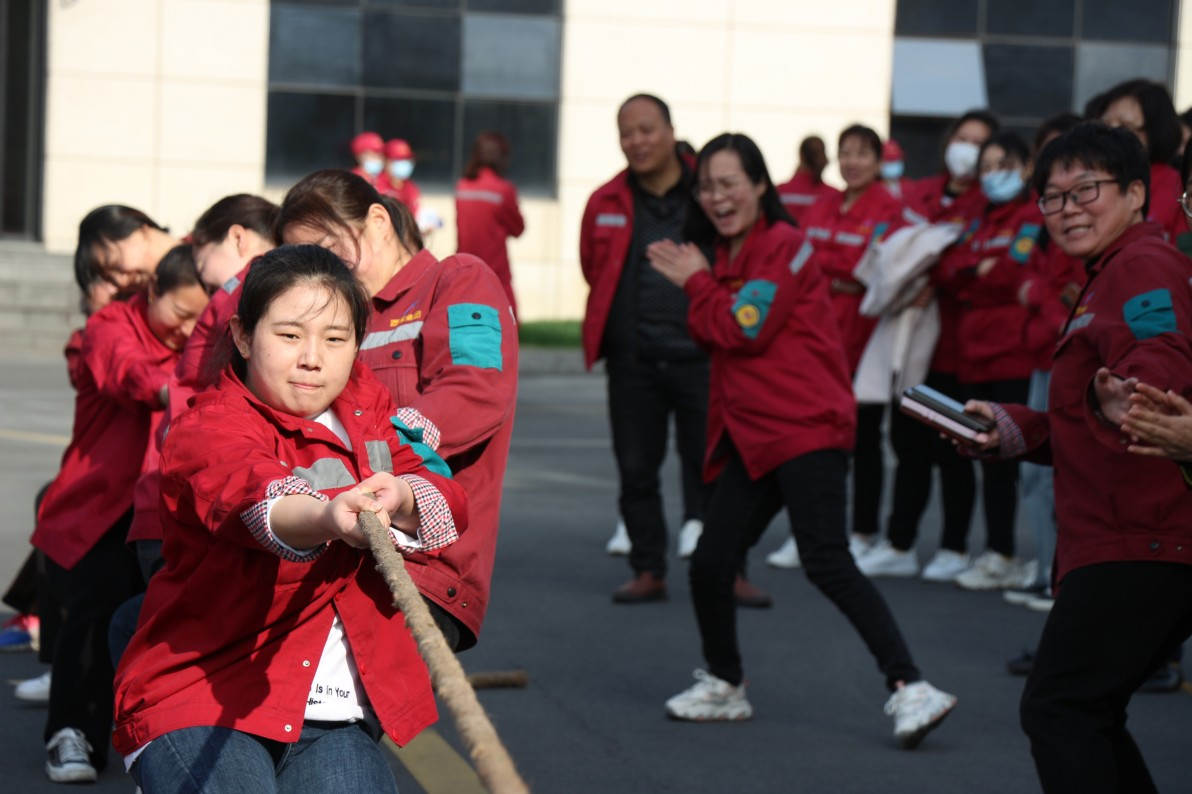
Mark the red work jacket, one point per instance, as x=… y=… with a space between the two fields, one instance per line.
x=779 y=384
x=840 y=239
x=486 y=213
x=199 y=366
x=73 y=351
x=407 y=192
x=802 y=192
x=1133 y=317
x=118 y=391
x=605 y=234
x=443 y=341
x=1164 y=208
x=231 y=630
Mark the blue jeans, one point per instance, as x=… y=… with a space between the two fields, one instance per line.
x=328 y=757
x=1038 y=489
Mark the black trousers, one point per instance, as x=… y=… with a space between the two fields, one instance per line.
x=999 y=478
x=868 y=468
x=1111 y=625
x=812 y=487
x=642 y=396
x=81 y=686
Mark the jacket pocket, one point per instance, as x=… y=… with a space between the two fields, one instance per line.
x=474 y=332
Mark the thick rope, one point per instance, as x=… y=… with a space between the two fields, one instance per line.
x=489 y=757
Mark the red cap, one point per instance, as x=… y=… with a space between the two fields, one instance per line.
x=891 y=152
x=397 y=149
x=367 y=142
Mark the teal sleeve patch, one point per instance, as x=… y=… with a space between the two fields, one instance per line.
x=412 y=438
x=1024 y=243
x=1150 y=314
x=878 y=231
x=753 y=304
x=475 y=335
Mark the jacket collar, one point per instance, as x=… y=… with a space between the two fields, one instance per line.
x=405 y=278
x=1132 y=234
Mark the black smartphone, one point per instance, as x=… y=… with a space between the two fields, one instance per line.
x=943 y=413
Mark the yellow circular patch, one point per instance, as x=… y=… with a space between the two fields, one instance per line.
x=1024 y=245
x=748 y=316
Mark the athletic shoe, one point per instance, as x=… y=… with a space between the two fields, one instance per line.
x=69 y=758
x=19 y=633
x=917 y=709
x=35 y=690
x=859 y=545
x=946 y=565
x=643 y=587
x=710 y=699
x=1021 y=664
x=992 y=571
x=1021 y=598
x=1043 y=603
x=689 y=536
x=747 y=594
x=785 y=556
x=618 y=544
x=885 y=560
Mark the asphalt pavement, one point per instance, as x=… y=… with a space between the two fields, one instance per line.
x=591 y=719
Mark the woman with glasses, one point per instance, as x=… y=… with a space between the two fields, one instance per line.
x=780 y=425
x=1124 y=551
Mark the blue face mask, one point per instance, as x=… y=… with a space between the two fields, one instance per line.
x=892 y=170
x=1002 y=186
x=373 y=166
x=401 y=169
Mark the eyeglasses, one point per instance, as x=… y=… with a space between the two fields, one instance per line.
x=1186 y=205
x=723 y=187
x=1085 y=193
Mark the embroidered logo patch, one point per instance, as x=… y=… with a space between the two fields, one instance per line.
x=748 y=316
x=753 y=304
x=1024 y=243
x=409 y=318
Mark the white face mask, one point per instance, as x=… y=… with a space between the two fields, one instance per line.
x=401 y=169
x=961 y=159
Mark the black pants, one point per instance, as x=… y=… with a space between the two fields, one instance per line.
x=919 y=448
x=868 y=468
x=999 y=478
x=812 y=487
x=81 y=686
x=1111 y=625
x=642 y=395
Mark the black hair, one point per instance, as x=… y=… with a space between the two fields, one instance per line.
x=663 y=108
x=1159 y=121
x=1056 y=125
x=866 y=134
x=332 y=199
x=1116 y=151
x=241 y=209
x=176 y=269
x=697 y=227
x=489 y=150
x=287 y=266
x=1009 y=142
x=110 y=223
x=976 y=114
x=683 y=148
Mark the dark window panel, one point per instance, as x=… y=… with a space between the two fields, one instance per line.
x=936 y=18
x=1030 y=17
x=1135 y=20
x=309 y=44
x=429 y=127
x=511 y=56
x=922 y=143
x=1028 y=81
x=532 y=130
x=305 y=132
x=515 y=6
x=411 y=51
x=320 y=2
x=441 y=4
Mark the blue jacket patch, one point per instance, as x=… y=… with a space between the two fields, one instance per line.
x=753 y=304
x=1024 y=243
x=474 y=334
x=1150 y=314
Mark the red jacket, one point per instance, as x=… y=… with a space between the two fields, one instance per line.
x=73 y=351
x=802 y=192
x=840 y=239
x=124 y=368
x=779 y=383
x=1049 y=291
x=408 y=193
x=199 y=366
x=443 y=341
x=1134 y=317
x=486 y=213
x=992 y=321
x=1164 y=209
x=605 y=234
x=233 y=627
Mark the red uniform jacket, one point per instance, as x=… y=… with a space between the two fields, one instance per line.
x=779 y=384
x=802 y=193
x=233 y=627
x=840 y=239
x=408 y=193
x=1134 y=317
x=119 y=385
x=199 y=366
x=74 y=358
x=1049 y=291
x=443 y=341
x=992 y=321
x=1164 y=208
x=486 y=213
x=605 y=234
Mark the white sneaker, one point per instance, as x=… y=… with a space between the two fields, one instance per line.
x=992 y=571
x=689 y=536
x=618 y=544
x=35 y=690
x=710 y=699
x=917 y=709
x=885 y=560
x=1042 y=603
x=785 y=556
x=859 y=545
x=946 y=565
x=69 y=758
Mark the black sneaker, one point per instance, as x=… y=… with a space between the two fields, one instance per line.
x=69 y=758
x=1021 y=664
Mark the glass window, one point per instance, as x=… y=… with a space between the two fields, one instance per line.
x=308 y=44
x=1024 y=81
x=937 y=78
x=444 y=4
x=516 y=6
x=532 y=129
x=511 y=56
x=411 y=51
x=429 y=127
x=936 y=18
x=1132 y=20
x=306 y=132
x=1100 y=66
x=1030 y=17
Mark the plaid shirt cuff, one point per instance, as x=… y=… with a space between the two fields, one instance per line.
x=412 y=418
x=256 y=519
x=437 y=527
x=1011 y=443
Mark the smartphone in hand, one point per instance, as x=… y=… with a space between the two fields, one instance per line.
x=940 y=411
